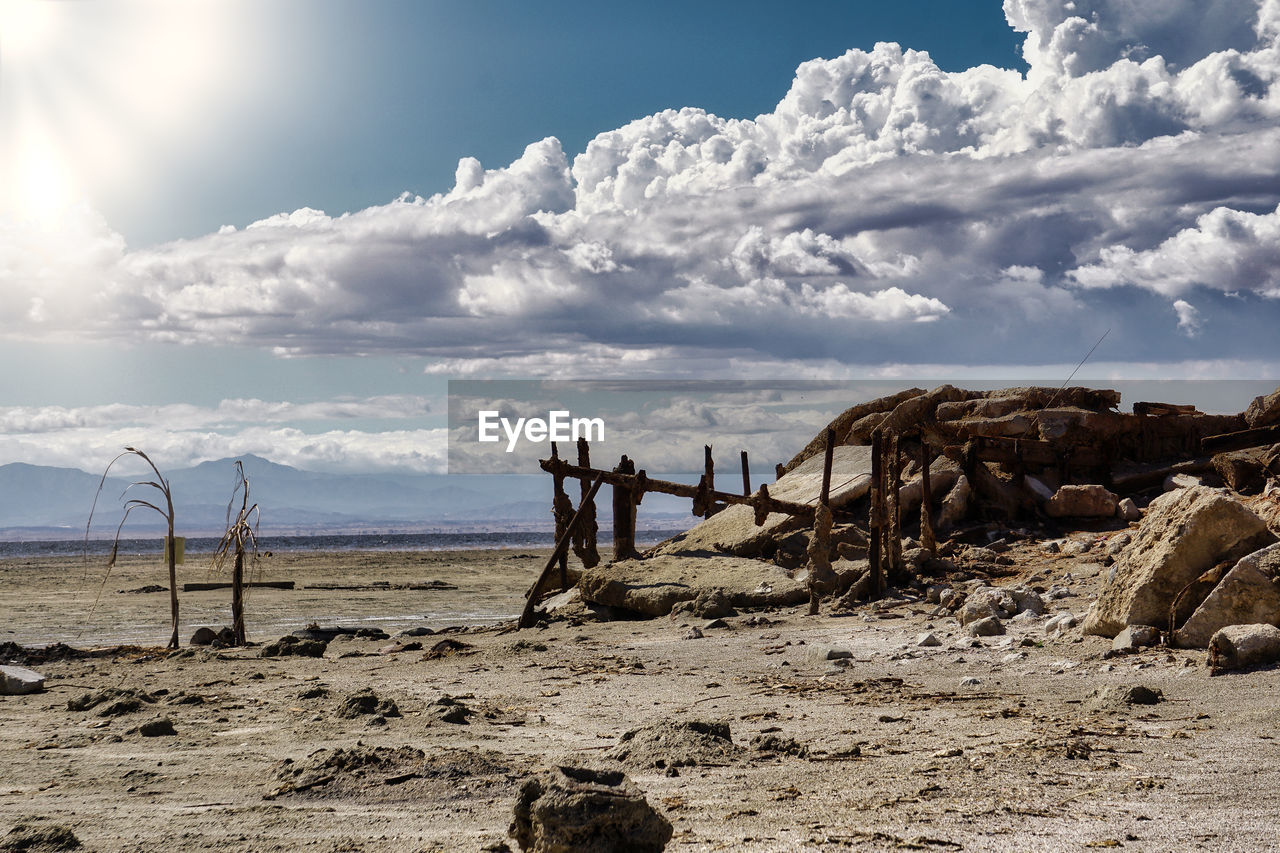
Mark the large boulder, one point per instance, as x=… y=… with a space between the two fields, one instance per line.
x=1247 y=595
x=1089 y=501
x=1184 y=534
x=652 y=587
x=734 y=530
x=1240 y=646
x=1263 y=411
x=587 y=811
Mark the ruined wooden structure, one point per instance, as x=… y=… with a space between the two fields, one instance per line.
x=996 y=440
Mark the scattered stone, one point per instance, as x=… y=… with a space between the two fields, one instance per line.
x=720 y=623
x=39 y=838
x=1118 y=696
x=1060 y=624
x=928 y=640
x=988 y=627
x=1183 y=534
x=970 y=681
x=417 y=632
x=1116 y=544
x=159 y=727
x=1247 y=595
x=398 y=647
x=143 y=590
x=1241 y=646
x=1134 y=637
x=575 y=808
x=694 y=633
x=204 y=636
x=290 y=645
x=820 y=653
x=675 y=743
x=366 y=702
x=1088 y=501
x=1181 y=481
x=447 y=647
x=18 y=681
x=1127 y=510
x=113 y=701
x=955 y=506
x=319 y=691
x=447 y=709
x=772 y=742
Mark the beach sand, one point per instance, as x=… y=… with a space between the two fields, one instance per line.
x=993 y=747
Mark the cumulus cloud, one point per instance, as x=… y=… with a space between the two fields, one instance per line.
x=885 y=211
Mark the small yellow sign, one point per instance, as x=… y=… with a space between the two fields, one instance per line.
x=179 y=552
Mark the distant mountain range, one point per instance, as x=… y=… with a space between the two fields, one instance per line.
x=44 y=502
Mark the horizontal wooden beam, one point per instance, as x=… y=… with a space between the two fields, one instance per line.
x=1242 y=440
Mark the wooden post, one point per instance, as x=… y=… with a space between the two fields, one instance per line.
x=875 y=515
x=562 y=509
x=825 y=497
x=821 y=577
x=562 y=547
x=895 y=505
x=778 y=472
x=927 y=540
x=624 y=515
x=584 y=540
x=746 y=475
x=709 y=473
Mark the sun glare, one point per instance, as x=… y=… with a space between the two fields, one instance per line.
x=26 y=27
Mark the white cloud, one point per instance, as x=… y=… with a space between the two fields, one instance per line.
x=884 y=212
x=1189 y=320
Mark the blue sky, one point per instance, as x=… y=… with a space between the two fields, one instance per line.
x=280 y=227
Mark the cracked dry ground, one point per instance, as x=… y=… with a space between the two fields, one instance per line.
x=989 y=747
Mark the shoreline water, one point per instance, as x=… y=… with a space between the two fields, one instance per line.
x=392 y=542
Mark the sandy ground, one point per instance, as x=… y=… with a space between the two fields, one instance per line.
x=997 y=746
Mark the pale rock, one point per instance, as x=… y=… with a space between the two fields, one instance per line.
x=1245 y=596
x=1181 y=481
x=987 y=627
x=1087 y=501
x=18 y=681
x=1059 y=624
x=1127 y=510
x=928 y=640
x=1240 y=646
x=1184 y=534
x=1134 y=637
x=955 y=505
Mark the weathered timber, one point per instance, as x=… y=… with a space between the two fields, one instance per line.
x=821 y=577
x=562 y=547
x=562 y=510
x=875 y=515
x=760 y=500
x=204 y=587
x=895 y=505
x=1147 y=477
x=1240 y=440
x=746 y=475
x=1163 y=410
x=624 y=513
x=584 y=539
x=824 y=497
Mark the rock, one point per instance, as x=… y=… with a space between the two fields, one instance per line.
x=1134 y=637
x=1183 y=534
x=694 y=633
x=1240 y=646
x=1090 y=501
x=654 y=586
x=204 y=636
x=715 y=624
x=733 y=530
x=820 y=653
x=291 y=645
x=18 y=681
x=1127 y=510
x=955 y=506
x=988 y=627
x=1245 y=471
x=1245 y=596
x=159 y=727
x=1263 y=411
x=1059 y=624
x=579 y=809
x=427 y=632
x=675 y=743
x=1037 y=488
x=1001 y=602
x=970 y=681
x=447 y=709
x=366 y=702
x=928 y=640
x=1117 y=696
x=44 y=838
x=1181 y=481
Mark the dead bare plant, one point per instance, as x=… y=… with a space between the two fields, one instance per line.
x=240 y=540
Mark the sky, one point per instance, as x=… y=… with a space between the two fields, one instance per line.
x=280 y=227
